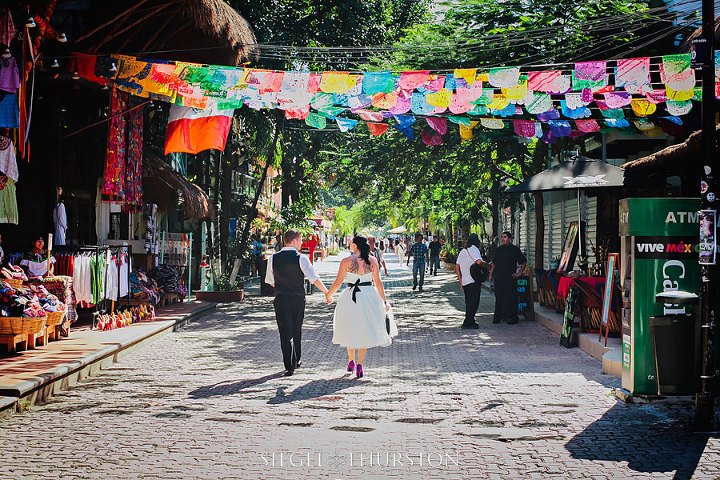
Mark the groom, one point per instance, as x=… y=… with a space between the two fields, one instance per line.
x=286 y=271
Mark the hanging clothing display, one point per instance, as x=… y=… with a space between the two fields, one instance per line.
x=9 y=76
x=60 y=221
x=94 y=278
x=114 y=177
x=8 y=161
x=133 y=166
x=122 y=180
x=9 y=110
x=8 y=201
x=151 y=233
x=7 y=27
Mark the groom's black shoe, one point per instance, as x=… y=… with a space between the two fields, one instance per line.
x=298 y=364
x=288 y=373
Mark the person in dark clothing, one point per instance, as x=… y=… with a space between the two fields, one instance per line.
x=286 y=271
x=434 y=255
x=507 y=265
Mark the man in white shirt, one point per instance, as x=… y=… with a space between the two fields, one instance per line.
x=286 y=271
x=466 y=258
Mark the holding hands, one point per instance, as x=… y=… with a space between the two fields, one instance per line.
x=328 y=298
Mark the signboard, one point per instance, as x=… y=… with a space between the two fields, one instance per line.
x=666 y=247
x=330 y=214
x=626 y=352
x=707 y=248
x=570 y=249
x=612 y=266
x=525 y=300
x=699 y=54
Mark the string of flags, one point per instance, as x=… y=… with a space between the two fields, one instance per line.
x=631 y=94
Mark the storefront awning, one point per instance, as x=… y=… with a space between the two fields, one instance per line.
x=164 y=186
x=578 y=173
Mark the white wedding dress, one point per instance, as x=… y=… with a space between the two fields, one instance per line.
x=360 y=323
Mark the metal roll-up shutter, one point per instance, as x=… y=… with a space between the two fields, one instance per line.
x=590 y=216
x=559 y=228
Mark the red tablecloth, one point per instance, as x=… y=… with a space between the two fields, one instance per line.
x=565 y=282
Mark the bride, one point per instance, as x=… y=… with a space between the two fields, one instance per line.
x=359 y=320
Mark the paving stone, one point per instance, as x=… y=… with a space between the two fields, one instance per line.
x=209 y=401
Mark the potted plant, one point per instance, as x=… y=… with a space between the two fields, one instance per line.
x=223 y=291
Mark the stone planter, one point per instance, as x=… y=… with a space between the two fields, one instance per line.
x=221 y=296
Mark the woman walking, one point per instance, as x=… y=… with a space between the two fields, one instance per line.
x=359 y=320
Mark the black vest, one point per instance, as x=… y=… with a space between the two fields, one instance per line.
x=289 y=278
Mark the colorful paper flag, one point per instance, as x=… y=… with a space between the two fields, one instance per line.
x=192 y=131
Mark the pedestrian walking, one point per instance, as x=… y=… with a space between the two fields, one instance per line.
x=466 y=258
x=257 y=253
x=359 y=318
x=507 y=265
x=377 y=253
x=286 y=271
x=434 y=255
x=419 y=252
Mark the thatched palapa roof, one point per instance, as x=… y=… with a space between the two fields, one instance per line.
x=199 y=31
x=161 y=184
x=672 y=159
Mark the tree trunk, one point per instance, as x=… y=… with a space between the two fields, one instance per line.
x=495 y=207
x=226 y=202
x=204 y=158
x=219 y=239
x=252 y=212
x=539 y=230
x=286 y=189
x=464 y=232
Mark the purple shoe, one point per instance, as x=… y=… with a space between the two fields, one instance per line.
x=351 y=366
x=359 y=371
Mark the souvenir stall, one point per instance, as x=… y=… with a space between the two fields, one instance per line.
x=554 y=285
x=30 y=313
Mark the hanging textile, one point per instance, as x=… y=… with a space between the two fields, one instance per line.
x=114 y=177
x=8 y=162
x=9 y=75
x=133 y=166
x=8 y=202
x=7 y=27
x=9 y=110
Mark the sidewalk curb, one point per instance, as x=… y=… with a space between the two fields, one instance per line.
x=65 y=376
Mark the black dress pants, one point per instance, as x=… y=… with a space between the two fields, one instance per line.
x=472 y=301
x=506 y=300
x=289 y=313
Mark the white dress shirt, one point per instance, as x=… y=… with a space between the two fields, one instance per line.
x=305 y=266
x=465 y=259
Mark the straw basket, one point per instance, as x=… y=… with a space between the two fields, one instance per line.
x=14 y=283
x=55 y=318
x=21 y=325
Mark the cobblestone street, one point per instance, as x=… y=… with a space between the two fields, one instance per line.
x=209 y=401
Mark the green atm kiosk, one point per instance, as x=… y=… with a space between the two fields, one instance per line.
x=658 y=253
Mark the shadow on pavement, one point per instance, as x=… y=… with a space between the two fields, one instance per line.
x=225 y=388
x=645 y=437
x=313 y=389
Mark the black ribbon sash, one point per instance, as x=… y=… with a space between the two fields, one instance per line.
x=356 y=287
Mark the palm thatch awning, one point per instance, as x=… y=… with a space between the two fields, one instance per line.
x=671 y=160
x=162 y=185
x=199 y=31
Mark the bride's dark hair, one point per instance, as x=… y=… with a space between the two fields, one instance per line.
x=362 y=245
